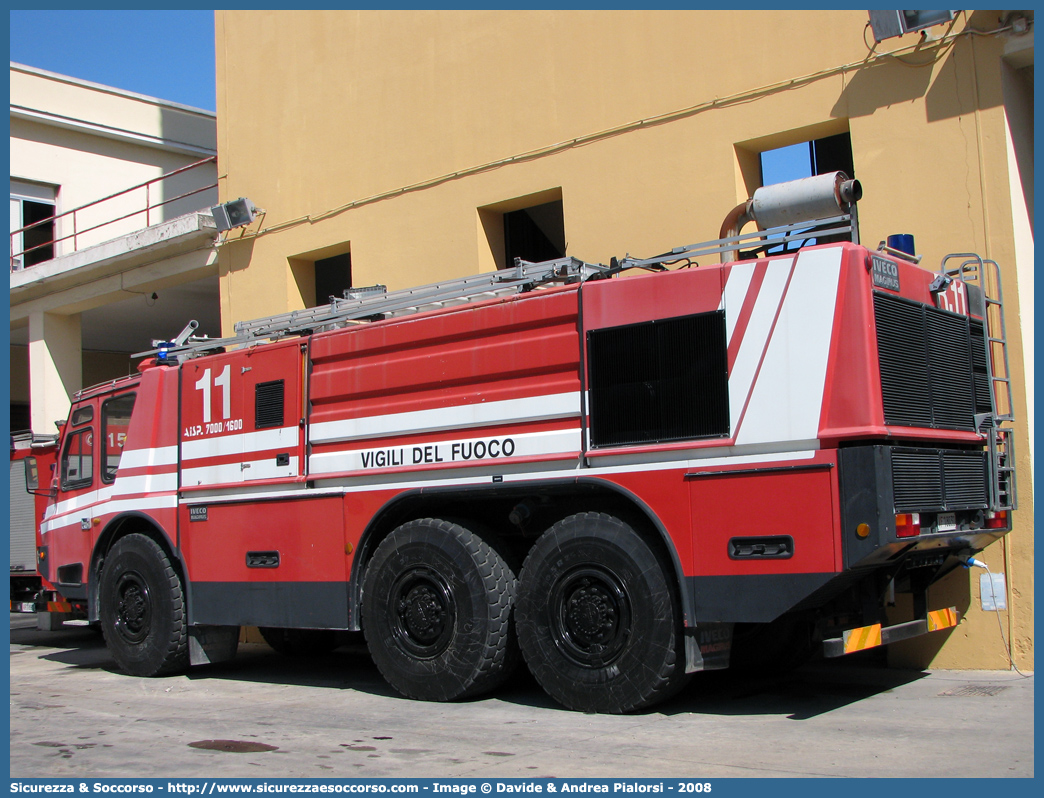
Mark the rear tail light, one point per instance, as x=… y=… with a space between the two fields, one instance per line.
x=997 y=519
x=907 y=525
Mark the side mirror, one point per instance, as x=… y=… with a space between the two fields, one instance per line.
x=32 y=479
x=32 y=475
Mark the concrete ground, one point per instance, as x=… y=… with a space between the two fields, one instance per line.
x=73 y=714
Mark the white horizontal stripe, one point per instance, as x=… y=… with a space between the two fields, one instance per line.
x=470 y=477
x=532 y=444
x=139 y=458
x=242 y=443
x=123 y=486
x=693 y=457
x=700 y=463
x=83 y=500
x=120 y=506
x=530 y=408
x=146 y=483
x=250 y=493
x=233 y=473
x=572 y=472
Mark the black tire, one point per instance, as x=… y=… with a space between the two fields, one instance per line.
x=142 y=608
x=437 y=603
x=300 y=642
x=597 y=621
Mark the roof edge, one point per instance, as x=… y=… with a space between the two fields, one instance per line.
x=15 y=67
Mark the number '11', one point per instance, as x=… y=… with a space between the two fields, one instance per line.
x=221 y=381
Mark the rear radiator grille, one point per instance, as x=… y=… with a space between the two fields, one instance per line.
x=931 y=374
x=938 y=480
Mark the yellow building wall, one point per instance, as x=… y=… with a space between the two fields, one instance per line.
x=395 y=134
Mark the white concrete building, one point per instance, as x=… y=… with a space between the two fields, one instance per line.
x=112 y=241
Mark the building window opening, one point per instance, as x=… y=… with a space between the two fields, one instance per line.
x=333 y=276
x=38 y=240
x=807 y=159
x=534 y=234
x=32 y=207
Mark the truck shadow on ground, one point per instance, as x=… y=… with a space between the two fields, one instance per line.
x=805 y=693
x=808 y=692
x=77 y=646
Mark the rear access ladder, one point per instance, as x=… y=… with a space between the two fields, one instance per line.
x=973 y=270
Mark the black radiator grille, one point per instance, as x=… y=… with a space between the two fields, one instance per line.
x=980 y=372
x=268 y=404
x=938 y=480
x=659 y=381
x=927 y=366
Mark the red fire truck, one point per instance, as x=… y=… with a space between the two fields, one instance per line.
x=29 y=592
x=621 y=474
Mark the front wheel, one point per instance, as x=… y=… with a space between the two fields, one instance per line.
x=437 y=603
x=143 y=608
x=597 y=621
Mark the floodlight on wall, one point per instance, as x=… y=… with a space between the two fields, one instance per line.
x=234 y=214
x=887 y=24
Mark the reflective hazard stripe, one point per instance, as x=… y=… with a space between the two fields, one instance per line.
x=862 y=638
x=942 y=619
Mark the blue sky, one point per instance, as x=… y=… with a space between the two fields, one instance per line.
x=164 y=54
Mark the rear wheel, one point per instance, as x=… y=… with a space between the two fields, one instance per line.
x=142 y=608
x=437 y=603
x=597 y=621
x=300 y=642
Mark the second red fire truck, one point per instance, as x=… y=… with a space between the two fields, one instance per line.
x=619 y=474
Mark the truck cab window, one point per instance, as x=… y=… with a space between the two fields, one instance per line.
x=116 y=415
x=78 y=459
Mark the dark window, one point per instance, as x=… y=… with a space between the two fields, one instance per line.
x=832 y=154
x=332 y=277
x=116 y=416
x=81 y=415
x=534 y=234
x=808 y=159
x=268 y=404
x=20 y=417
x=38 y=240
x=78 y=459
x=659 y=381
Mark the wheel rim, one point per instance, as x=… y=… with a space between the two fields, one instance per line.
x=423 y=613
x=590 y=616
x=133 y=607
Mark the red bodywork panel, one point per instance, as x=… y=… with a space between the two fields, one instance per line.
x=295 y=446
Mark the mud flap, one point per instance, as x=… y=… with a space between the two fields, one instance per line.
x=707 y=647
x=211 y=644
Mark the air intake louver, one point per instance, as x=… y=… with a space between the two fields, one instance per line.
x=980 y=373
x=268 y=404
x=938 y=480
x=926 y=361
x=659 y=381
